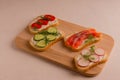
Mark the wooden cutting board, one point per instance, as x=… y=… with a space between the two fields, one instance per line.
x=60 y=54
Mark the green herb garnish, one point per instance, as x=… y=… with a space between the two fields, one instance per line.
x=47 y=41
x=92 y=48
x=86 y=56
x=44 y=32
x=92 y=58
x=89 y=39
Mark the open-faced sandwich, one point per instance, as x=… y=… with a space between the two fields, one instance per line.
x=45 y=38
x=79 y=40
x=89 y=58
x=42 y=22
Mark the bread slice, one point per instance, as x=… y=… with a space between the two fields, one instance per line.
x=50 y=23
x=102 y=59
x=84 y=43
x=33 y=43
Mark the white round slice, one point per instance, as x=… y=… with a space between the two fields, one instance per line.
x=79 y=57
x=94 y=58
x=85 y=52
x=100 y=51
x=83 y=62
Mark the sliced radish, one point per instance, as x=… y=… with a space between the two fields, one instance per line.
x=85 y=52
x=100 y=51
x=79 y=57
x=94 y=58
x=83 y=62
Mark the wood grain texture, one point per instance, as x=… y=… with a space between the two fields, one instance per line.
x=60 y=54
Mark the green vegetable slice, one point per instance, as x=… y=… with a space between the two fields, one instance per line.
x=41 y=43
x=51 y=37
x=38 y=37
x=52 y=30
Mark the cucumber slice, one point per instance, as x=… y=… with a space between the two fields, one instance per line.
x=41 y=43
x=51 y=37
x=52 y=30
x=38 y=37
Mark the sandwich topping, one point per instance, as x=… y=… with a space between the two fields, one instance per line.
x=91 y=55
x=43 y=38
x=82 y=37
x=45 y=20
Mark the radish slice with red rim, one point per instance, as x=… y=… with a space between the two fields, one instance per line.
x=83 y=62
x=85 y=52
x=100 y=51
x=79 y=57
x=94 y=58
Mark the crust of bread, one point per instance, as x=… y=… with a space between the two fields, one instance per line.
x=83 y=45
x=49 y=45
x=84 y=69
x=34 y=20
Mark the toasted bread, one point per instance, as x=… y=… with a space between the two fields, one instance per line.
x=49 y=24
x=33 y=42
x=91 y=64
x=84 y=43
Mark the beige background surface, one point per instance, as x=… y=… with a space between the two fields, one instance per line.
x=104 y=15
